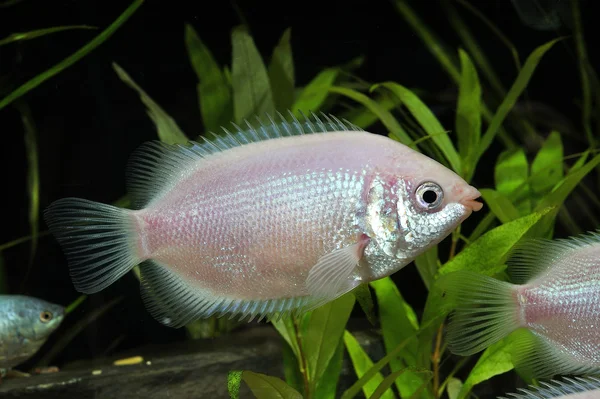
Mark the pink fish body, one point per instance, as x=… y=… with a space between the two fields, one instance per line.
x=263 y=221
x=569 y=388
x=554 y=307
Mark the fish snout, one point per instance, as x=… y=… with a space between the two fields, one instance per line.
x=468 y=197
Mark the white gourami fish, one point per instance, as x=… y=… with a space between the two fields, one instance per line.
x=553 y=308
x=569 y=388
x=263 y=221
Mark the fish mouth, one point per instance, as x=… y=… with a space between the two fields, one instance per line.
x=471 y=200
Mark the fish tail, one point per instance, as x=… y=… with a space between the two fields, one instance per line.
x=100 y=241
x=485 y=311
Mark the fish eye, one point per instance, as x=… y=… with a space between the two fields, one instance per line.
x=45 y=316
x=429 y=195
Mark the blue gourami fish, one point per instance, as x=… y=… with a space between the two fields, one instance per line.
x=568 y=388
x=25 y=324
x=273 y=219
x=553 y=307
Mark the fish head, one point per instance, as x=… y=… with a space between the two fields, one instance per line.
x=417 y=206
x=37 y=319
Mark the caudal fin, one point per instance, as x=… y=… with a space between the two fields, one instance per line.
x=98 y=240
x=486 y=311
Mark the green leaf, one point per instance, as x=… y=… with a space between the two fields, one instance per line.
x=291 y=352
x=9 y=3
x=75 y=304
x=500 y=205
x=267 y=387
x=446 y=59
x=427 y=265
x=487 y=254
x=580 y=161
x=364 y=299
x=167 y=128
x=468 y=114
x=291 y=369
x=281 y=73
x=323 y=332
x=433 y=43
x=313 y=96
x=214 y=92
x=511 y=178
x=227 y=74
x=285 y=327
x=461 y=28
x=72 y=59
x=234 y=380
x=494 y=361
x=559 y=194
x=427 y=120
x=363 y=117
x=20 y=240
x=398 y=323
x=419 y=375
x=453 y=388
x=33 y=176
x=488 y=221
x=388 y=120
x=513 y=95
x=355 y=389
x=251 y=89
x=511 y=171
x=547 y=167
x=15 y=37
x=327 y=384
x=361 y=363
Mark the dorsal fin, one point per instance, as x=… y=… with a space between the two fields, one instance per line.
x=530 y=258
x=155 y=166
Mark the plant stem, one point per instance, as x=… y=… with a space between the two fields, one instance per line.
x=455 y=238
x=302 y=360
x=435 y=359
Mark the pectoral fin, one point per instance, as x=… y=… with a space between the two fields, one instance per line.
x=330 y=277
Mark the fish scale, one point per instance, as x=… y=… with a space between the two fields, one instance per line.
x=295 y=202
x=275 y=219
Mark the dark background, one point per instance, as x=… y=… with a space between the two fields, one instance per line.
x=88 y=121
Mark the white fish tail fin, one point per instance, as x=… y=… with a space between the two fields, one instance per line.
x=99 y=241
x=486 y=311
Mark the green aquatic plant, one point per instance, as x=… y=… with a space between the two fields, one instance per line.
x=524 y=198
x=30 y=135
x=525 y=203
x=522 y=204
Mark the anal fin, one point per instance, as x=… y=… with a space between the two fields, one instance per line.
x=536 y=357
x=174 y=302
